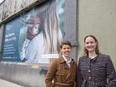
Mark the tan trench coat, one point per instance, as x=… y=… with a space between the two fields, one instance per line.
x=60 y=75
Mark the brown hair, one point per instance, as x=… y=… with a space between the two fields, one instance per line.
x=97 y=46
x=65 y=43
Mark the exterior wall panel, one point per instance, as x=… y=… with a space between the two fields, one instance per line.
x=97 y=17
x=11 y=7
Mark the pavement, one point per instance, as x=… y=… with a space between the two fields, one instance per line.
x=4 y=83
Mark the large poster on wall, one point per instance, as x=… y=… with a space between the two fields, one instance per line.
x=36 y=35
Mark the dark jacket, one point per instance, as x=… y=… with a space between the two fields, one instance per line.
x=61 y=74
x=98 y=72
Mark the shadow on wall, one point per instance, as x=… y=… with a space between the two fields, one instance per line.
x=27 y=75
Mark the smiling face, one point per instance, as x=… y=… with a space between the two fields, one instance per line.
x=65 y=50
x=90 y=44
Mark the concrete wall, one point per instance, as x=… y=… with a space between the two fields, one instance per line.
x=27 y=75
x=70 y=25
x=98 y=17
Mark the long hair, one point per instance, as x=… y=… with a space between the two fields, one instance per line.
x=53 y=36
x=97 y=46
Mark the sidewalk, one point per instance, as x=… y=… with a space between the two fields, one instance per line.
x=4 y=83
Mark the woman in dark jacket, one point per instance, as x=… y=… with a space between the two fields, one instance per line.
x=95 y=69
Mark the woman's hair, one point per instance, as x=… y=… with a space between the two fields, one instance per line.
x=65 y=43
x=53 y=35
x=97 y=46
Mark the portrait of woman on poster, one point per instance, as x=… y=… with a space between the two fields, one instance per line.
x=49 y=37
x=94 y=68
x=32 y=30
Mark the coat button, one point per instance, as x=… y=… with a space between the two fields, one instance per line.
x=89 y=70
x=89 y=78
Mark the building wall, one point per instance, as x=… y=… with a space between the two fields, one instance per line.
x=10 y=8
x=97 y=17
x=25 y=74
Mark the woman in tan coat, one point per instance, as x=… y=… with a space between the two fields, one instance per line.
x=62 y=71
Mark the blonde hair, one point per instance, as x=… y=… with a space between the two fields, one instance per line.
x=53 y=33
